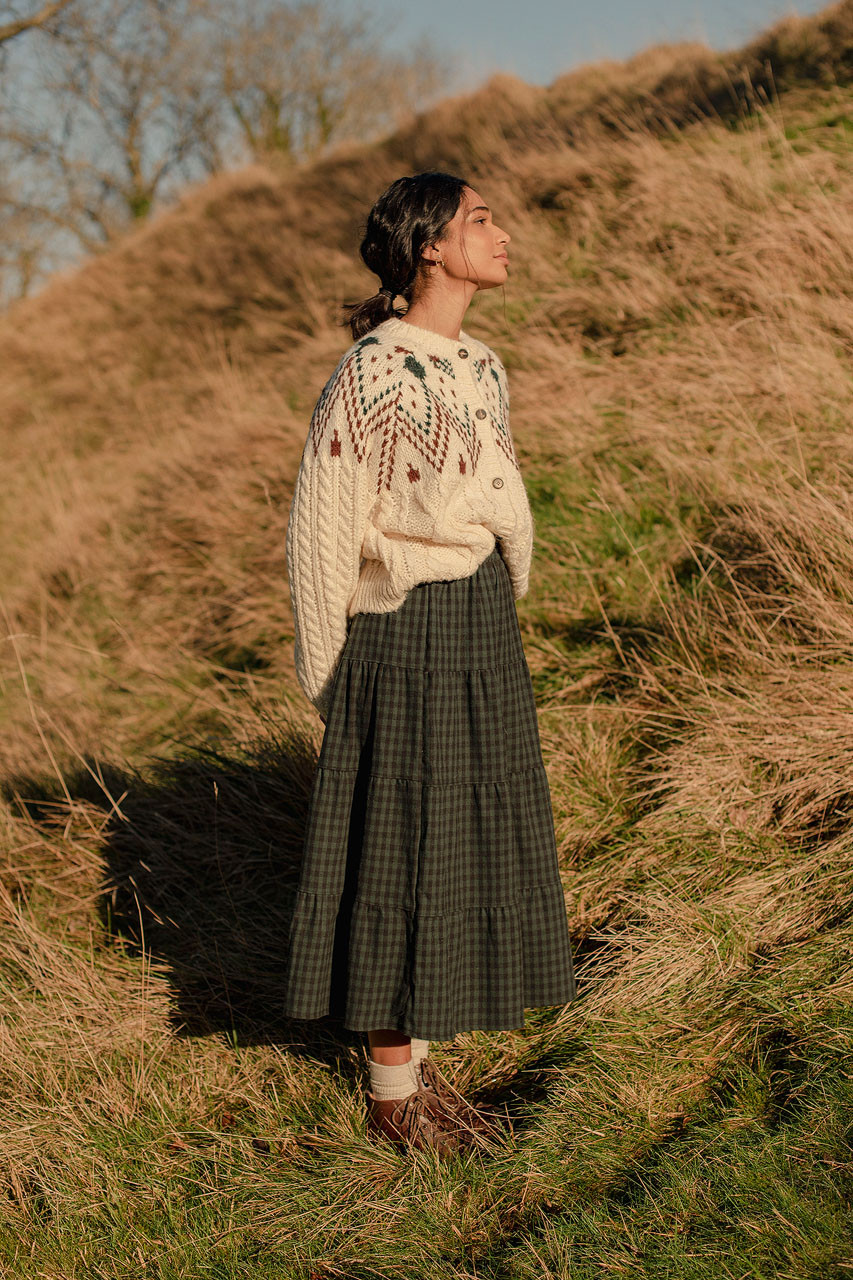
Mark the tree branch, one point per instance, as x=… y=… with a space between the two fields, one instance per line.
x=12 y=29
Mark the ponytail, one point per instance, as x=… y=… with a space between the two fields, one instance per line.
x=364 y=316
x=412 y=213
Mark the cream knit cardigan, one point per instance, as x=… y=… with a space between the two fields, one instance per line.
x=408 y=475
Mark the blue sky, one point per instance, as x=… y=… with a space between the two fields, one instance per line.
x=541 y=39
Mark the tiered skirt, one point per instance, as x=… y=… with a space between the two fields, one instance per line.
x=429 y=899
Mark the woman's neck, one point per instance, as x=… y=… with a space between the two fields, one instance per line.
x=442 y=314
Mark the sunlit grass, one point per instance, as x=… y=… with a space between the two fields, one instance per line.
x=678 y=330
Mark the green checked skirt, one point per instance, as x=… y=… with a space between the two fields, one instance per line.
x=429 y=899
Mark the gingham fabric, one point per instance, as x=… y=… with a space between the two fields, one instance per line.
x=429 y=898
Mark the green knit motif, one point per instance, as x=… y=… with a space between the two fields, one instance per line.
x=413 y=411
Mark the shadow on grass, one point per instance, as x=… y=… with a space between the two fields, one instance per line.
x=201 y=857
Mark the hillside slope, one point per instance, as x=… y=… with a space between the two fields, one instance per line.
x=678 y=332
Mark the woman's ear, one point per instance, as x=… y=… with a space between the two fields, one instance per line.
x=432 y=255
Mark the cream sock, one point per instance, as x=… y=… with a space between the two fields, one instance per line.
x=392 y=1082
x=420 y=1049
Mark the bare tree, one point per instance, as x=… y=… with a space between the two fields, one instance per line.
x=16 y=26
x=122 y=108
x=24 y=239
x=111 y=106
x=302 y=77
x=24 y=236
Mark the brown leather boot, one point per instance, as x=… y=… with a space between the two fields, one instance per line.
x=418 y=1120
x=482 y=1123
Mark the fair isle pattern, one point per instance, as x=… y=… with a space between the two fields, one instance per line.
x=443 y=364
x=386 y=406
x=495 y=391
x=408 y=475
x=385 y=412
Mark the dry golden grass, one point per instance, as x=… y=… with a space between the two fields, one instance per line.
x=678 y=330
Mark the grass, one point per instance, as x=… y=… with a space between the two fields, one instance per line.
x=678 y=333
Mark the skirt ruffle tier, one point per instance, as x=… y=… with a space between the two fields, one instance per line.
x=429 y=899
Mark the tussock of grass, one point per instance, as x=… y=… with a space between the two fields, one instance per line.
x=678 y=331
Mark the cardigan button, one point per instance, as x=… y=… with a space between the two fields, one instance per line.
x=463 y=352
x=497 y=483
x=481 y=413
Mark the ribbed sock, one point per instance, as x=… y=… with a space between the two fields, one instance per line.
x=392 y=1082
x=420 y=1049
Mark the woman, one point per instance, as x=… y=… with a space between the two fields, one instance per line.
x=429 y=899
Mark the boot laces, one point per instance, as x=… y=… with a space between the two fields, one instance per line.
x=420 y=1107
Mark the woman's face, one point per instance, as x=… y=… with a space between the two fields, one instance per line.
x=473 y=246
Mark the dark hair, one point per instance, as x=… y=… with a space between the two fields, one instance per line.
x=410 y=214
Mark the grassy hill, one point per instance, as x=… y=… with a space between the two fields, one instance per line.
x=678 y=332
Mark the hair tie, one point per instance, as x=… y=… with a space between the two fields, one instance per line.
x=389 y=293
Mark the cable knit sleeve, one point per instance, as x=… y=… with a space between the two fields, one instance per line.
x=325 y=534
x=517 y=547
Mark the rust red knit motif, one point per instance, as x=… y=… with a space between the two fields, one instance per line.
x=407 y=416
